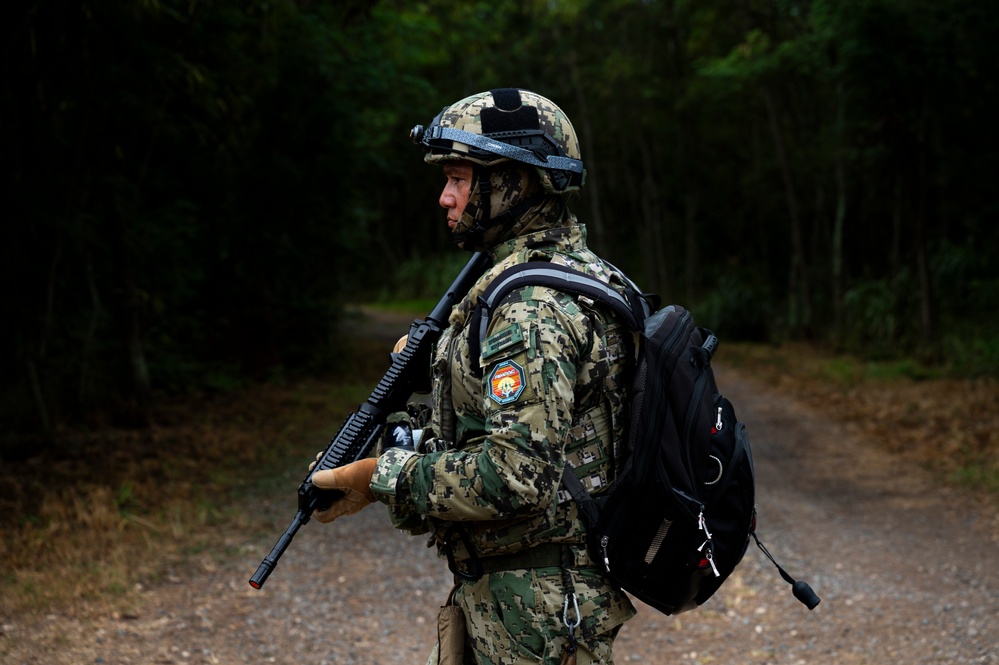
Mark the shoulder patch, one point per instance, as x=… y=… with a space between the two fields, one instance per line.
x=507 y=382
x=509 y=337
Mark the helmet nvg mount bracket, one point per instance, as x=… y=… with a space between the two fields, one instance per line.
x=507 y=124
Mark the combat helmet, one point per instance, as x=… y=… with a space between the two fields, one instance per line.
x=499 y=130
x=507 y=124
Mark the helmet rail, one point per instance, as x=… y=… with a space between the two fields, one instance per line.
x=428 y=137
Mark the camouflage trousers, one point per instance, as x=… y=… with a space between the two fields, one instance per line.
x=515 y=617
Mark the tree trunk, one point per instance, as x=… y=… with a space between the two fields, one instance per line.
x=837 y=233
x=654 y=260
x=38 y=395
x=922 y=263
x=86 y=357
x=895 y=255
x=799 y=290
x=129 y=313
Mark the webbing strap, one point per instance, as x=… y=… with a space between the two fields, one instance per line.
x=552 y=275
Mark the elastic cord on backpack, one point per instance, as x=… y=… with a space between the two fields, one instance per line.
x=800 y=589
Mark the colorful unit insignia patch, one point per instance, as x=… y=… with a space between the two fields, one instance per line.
x=506 y=383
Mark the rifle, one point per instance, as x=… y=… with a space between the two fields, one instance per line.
x=362 y=429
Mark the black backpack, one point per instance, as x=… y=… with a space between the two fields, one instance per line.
x=680 y=513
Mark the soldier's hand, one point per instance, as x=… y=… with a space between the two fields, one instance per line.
x=319 y=456
x=401 y=344
x=354 y=480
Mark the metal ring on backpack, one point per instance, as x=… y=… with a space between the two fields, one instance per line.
x=721 y=470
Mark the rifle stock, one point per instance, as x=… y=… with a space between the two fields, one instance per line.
x=362 y=429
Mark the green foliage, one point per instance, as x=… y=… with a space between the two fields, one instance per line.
x=198 y=187
x=737 y=308
x=850 y=371
x=125 y=499
x=877 y=313
x=972 y=347
x=969 y=305
x=190 y=190
x=980 y=477
x=908 y=368
x=426 y=277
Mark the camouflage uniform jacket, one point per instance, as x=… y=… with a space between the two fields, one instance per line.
x=551 y=390
x=493 y=460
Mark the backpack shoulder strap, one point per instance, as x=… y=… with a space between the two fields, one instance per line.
x=553 y=275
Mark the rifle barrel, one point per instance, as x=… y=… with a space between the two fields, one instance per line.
x=267 y=565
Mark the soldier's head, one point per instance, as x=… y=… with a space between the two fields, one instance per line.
x=508 y=151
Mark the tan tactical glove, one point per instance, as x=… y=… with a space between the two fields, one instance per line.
x=354 y=480
x=401 y=344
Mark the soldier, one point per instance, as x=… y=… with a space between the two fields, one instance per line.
x=547 y=389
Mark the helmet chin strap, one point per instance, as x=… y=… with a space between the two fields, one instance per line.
x=472 y=239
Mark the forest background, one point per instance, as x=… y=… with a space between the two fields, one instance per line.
x=196 y=189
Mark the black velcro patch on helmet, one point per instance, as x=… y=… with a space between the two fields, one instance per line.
x=506 y=99
x=509 y=115
x=494 y=120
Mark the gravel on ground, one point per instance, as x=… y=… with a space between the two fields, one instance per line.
x=908 y=572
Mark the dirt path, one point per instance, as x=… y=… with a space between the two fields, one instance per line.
x=908 y=573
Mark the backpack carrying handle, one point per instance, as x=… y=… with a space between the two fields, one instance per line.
x=710 y=344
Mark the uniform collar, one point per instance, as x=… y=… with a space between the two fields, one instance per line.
x=562 y=240
x=532 y=246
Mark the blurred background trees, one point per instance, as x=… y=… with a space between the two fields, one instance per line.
x=196 y=188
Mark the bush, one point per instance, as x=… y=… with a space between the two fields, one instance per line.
x=738 y=308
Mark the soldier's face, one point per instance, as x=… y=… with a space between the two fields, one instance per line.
x=454 y=197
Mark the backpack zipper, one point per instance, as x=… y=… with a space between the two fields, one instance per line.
x=604 y=541
x=693 y=409
x=674 y=336
x=666 y=349
x=707 y=547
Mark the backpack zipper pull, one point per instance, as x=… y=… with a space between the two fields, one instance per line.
x=706 y=547
x=604 y=540
x=709 y=555
x=702 y=524
x=718 y=422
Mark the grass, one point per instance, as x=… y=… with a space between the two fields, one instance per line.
x=807 y=362
x=417 y=307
